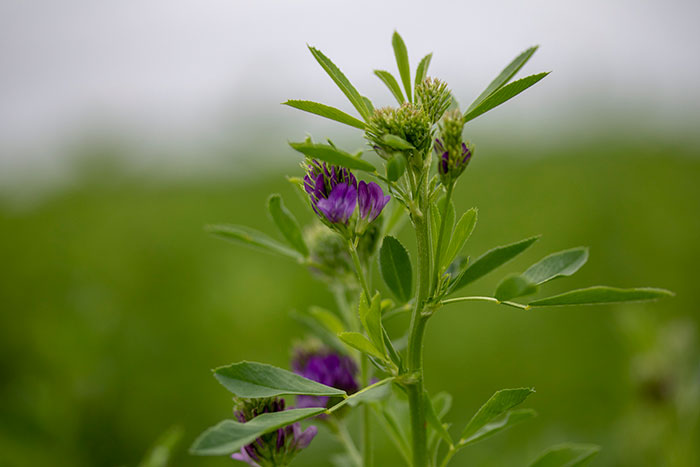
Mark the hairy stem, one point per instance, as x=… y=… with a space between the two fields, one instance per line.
x=417 y=330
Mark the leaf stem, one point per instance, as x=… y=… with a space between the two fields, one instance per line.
x=448 y=457
x=359 y=393
x=485 y=299
x=359 y=270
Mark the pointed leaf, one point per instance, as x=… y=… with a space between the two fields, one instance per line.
x=391 y=83
x=502 y=95
x=326 y=111
x=396 y=142
x=447 y=213
x=461 y=234
x=491 y=260
x=513 y=286
x=342 y=82
x=287 y=224
x=251 y=238
x=359 y=342
x=371 y=318
x=563 y=263
x=332 y=155
x=434 y=421
x=230 y=436
x=368 y=105
x=422 y=70
x=602 y=294
x=496 y=406
x=567 y=455
x=395 y=266
x=395 y=167
x=401 y=55
x=511 y=418
x=505 y=76
x=253 y=380
x=327 y=319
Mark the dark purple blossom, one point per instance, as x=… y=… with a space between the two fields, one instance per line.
x=278 y=447
x=326 y=367
x=371 y=200
x=332 y=190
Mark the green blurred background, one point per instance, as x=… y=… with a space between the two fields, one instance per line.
x=125 y=128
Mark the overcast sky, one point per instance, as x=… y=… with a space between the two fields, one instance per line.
x=188 y=69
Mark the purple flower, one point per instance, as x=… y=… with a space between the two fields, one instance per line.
x=326 y=367
x=332 y=190
x=278 y=447
x=371 y=200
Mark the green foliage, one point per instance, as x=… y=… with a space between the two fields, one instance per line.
x=332 y=155
x=563 y=263
x=508 y=420
x=251 y=238
x=566 y=455
x=395 y=266
x=491 y=260
x=359 y=342
x=502 y=95
x=326 y=111
x=230 y=436
x=401 y=55
x=161 y=452
x=395 y=167
x=391 y=83
x=342 y=82
x=434 y=420
x=602 y=294
x=462 y=232
x=287 y=224
x=504 y=77
x=513 y=286
x=254 y=380
x=422 y=70
x=498 y=405
x=371 y=318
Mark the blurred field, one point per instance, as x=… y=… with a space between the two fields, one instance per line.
x=115 y=305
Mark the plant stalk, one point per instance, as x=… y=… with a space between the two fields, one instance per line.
x=417 y=330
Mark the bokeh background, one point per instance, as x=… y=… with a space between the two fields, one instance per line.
x=125 y=127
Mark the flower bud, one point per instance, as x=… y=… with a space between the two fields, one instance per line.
x=453 y=153
x=407 y=122
x=332 y=190
x=434 y=97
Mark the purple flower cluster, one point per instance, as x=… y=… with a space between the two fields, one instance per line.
x=326 y=367
x=451 y=165
x=278 y=447
x=334 y=193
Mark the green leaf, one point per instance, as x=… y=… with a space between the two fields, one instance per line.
x=505 y=76
x=368 y=105
x=448 y=213
x=435 y=220
x=395 y=167
x=397 y=142
x=391 y=83
x=492 y=259
x=332 y=155
x=395 y=266
x=287 y=224
x=342 y=82
x=563 y=263
x=566 y=455
x=326 y=111
x=602 y=294
x=371 y=318
x=434 y=421
x=253 y=380
x=161 y=452
x=496 y=406
x=513 y=286
x=394 y=356
x=401 y=55
x=327 y=319
x=422 y=70
x=394 y=428
x=251 y=238
x=230 y=436
x=359 y=342
x=502 y=95
x=511 y=418
x=462 y=232
x=442 y=402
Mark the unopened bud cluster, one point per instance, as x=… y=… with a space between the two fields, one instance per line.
x=453 y=153
x=434 y=98
x=408 y=122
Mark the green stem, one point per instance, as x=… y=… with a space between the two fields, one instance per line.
x=417 y=330
x=359 y=270
x=448 y=457
x=366 y=419
x=485 y=299
x=441 y=233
